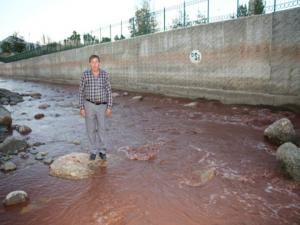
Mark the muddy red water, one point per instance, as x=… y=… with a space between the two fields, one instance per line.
x=242 y=182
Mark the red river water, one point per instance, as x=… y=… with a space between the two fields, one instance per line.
x=241 y=185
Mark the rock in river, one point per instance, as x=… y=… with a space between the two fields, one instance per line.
x=23 y=129
x=9 y=97
x=15 y=197
x=5 y=117
x=288 y=155
x=44 y=106
x=74 y=166
x=12 y=144
x=138 y=97
x=191 y=104
x=41 y=155
x=48 y=160
x=8 y=166
x=280 y=131
x=39 y=116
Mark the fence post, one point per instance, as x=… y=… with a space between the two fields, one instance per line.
x=110 y=31
x=133 y=25
x=237 y=8
x=92 y=37
x=121 y=29
x=100 y=35
x=274 y=5
x=184 y=14
x=207 y=11
x=164 y=19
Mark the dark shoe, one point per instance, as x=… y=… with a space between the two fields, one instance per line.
x=102 y=155
x=92 y=156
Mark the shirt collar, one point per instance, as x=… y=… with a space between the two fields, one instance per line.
x=100 y=72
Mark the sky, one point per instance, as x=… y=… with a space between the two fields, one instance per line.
x=56 y=19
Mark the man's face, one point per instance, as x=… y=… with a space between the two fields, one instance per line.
x=94 y=63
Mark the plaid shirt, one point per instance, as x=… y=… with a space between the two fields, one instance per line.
x=95 y=88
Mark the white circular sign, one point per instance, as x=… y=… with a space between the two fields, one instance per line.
x=195 y=56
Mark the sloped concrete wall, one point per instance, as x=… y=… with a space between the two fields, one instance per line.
x=252 y=60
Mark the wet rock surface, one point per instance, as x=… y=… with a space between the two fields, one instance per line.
x=44 y=106
x=288 y=155
x=8 y=97
x=12 y=145
x=39 y=116
x=280 y=131
x=138 y=98
x=5 y=123
x=74 y=166
x=23 y=129
x=15 y=197
x=8 y=166
x=5 y=117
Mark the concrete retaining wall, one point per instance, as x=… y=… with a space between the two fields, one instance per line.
x=252 y=60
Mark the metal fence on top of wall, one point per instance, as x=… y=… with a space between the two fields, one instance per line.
x=189 y=13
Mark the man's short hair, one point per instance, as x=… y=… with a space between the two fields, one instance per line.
x=93 y=57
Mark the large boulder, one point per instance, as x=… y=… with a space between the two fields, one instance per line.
x=9 y=97
x=13 y=144
x=280 y=131
x=74 y=166
x=15 y=197
x=288 y=155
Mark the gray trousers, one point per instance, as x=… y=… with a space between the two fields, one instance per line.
x=95 y=126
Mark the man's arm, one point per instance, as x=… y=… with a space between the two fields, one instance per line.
x=109 y=92
x=81 y=91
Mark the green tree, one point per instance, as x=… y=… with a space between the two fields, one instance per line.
x=89 y=39
x=18 y=43
x=74 y=39
x=19 y=46
x=144 y=21
x=6 y=47
x=105 y=39
x=117 y=38
x=259 y=7
x=242 y=11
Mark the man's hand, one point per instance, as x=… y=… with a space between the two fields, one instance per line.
x=82 y=112
x=108 y=112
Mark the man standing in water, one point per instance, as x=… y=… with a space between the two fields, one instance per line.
x=95 y=102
